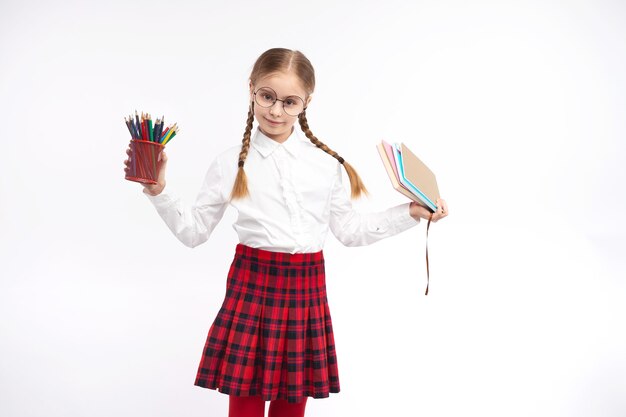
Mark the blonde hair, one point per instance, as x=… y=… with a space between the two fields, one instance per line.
x=286 y=60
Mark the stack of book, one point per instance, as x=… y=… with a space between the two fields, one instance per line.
x=412 y=178
x=408 y=175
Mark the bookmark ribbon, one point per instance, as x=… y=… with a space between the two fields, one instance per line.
x=427 y=268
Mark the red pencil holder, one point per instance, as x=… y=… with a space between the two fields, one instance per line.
x=144 y=161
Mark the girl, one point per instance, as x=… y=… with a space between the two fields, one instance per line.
x=272 y=339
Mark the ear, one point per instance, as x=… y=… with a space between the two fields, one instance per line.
x=308 y=100
x=251 y=92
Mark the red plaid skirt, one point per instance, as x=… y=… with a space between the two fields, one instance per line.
x=273 y=335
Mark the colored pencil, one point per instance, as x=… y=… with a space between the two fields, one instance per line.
x=137 y=124
x=143 y=127
x=157 y=130
x=150 y=130
x=132 y=135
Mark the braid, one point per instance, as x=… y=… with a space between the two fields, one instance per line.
x=356 y=185
x=240 y=188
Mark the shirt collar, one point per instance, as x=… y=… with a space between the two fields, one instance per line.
x=266 y=146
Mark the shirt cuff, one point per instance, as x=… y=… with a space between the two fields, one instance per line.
x=160 y=200
x=402 y=219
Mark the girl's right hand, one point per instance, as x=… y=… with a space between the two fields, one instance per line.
x=152 y=189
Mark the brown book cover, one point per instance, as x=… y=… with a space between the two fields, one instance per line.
x=419 y=174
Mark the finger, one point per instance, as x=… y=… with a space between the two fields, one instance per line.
x=439 y=213
x=445 y=207
x=128 y=151
x=441 y=207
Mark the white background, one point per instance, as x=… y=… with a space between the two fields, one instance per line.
x=518 y=107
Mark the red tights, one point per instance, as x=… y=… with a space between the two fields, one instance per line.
x=255 y=407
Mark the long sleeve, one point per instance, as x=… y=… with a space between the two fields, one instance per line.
x=193 y=225
x=358 y=229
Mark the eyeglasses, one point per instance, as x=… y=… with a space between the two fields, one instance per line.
x=266 y=97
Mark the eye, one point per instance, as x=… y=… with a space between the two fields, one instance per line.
x=266 y=95
x=290 y=102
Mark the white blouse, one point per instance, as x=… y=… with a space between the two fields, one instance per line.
x=296 y=195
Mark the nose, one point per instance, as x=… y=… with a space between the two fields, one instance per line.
x=277 y=108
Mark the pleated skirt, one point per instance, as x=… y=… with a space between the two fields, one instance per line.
x=273 y=335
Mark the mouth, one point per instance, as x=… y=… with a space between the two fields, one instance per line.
x=273 y=123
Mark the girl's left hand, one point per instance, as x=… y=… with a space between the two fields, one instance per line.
x=418 y=211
